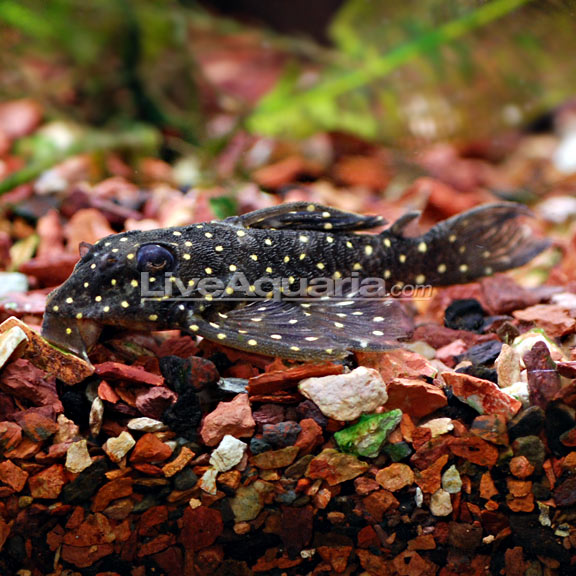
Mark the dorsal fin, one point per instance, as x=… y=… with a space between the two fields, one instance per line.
x=84 y=248
x=306 y=216
x=397 y=229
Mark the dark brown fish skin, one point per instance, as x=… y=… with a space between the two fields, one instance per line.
x=291 y=242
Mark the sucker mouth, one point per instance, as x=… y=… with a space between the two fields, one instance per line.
x=76 y=336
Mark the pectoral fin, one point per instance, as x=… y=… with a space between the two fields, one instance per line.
x=323 y=328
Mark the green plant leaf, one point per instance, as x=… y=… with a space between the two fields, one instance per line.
x=333 y=102
x=224 y=206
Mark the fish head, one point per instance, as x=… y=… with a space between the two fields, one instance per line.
x=122 y=281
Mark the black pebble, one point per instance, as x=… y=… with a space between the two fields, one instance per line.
x=86 y=484
x=176 y=371
x=259 y=445
x=184 y=373
x=308 y=409
x=221 y=361
x=184 y=415
x=465 y=315
x=480 y=372
x=559 y=419
x=529 y=421
x=533 y=449
x=281 y=434
x=76 y=405
x=483 y=354
x=185 y=479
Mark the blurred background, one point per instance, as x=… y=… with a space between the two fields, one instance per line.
x=355 y=93
x=386 y=71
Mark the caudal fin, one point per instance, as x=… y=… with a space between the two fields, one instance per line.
x=477 y=243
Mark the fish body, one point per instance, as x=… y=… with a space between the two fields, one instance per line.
x=295 y=281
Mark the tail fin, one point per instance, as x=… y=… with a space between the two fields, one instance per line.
x=477 y=243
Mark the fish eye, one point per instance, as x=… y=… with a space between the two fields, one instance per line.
x=154 y=258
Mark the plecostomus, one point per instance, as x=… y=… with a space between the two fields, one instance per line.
x=295 y=281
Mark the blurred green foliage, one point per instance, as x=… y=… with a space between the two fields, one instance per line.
x=416 y=69
x=103 y=61
x=42 y=151
x=429 y=70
